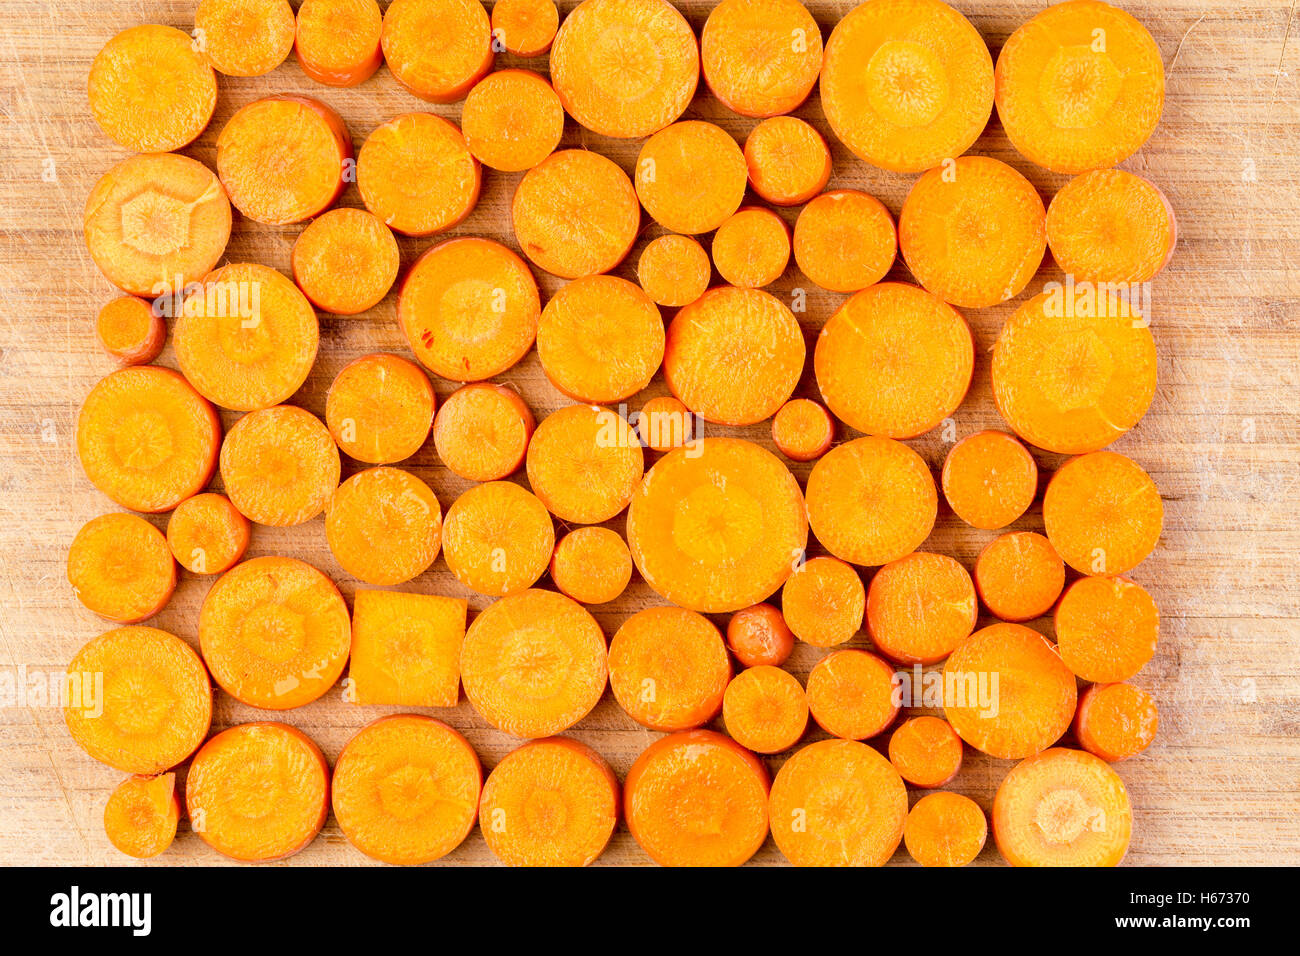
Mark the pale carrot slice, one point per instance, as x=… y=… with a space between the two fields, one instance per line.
x=945 y=829
x=674 y=270
x=119 y=566
x=443 y=71
x=244 y=37
x=1103 y=513
x=1019 y=576
x=383 y=526
x=584 y=463
x=405 y=649
x=668 y=668
x=789 y=162
x=512 y=120
x=1106 y=628
x=207 y=534
x=803 y=430
x=765 y=709
x=925 y=751
x=845 y=240
x=920 y=608
x=345 y=261
x=823 y=602
x=1115 y=721
x=758 y=635
x=691 y=177
x=761 y=57
x=752 y=248
x=280 y=466
x=416 y=173
x=482 y=431
x=497 y=538
x=591 y=565
x=130 y=330
x=337 y=41
x=525 y=27
x=851 y=694
x=989 y=479
x=1110 y=225
x=141 y=814
x=664 y=423
x=379 y=408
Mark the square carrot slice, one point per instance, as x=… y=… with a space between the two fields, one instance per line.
x=406 y=648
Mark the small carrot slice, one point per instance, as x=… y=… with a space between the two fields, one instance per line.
x=497 y=538
x=525 y=27
x=871 y=501
x=1007 y=692
x=345 y=261
x=803 y=430
x=945 y=829
x=482 y=431
x=1062 y=808
x=379 y=408
x=337 y=41
x=584 y=463
x=926 y=752
x=258 y=792
x=207 y=534
x=761 y=57
x=765 y=709
x=280 y=466
x=1019 y=576
x=512 y=120
x=1115 y=721
x=837 y=803
x=130 y=330
x=823 y=602
x=1103 y=513
x=244 y=37
x=591 y=565
x=752 y=248
x=141 y=814
x=406 y=648
x=575 y=213
x=406 y=789
x=441 y=72
x=845 y=240
x=674 y=270
x=920 y=608
x=668 y=668
x=469 y=309
x=533 y=663
x=691 y=176
x=120 y=568
x=789 y=162
x=696 y=798
x=851 y=694
x=1106 y=628
x=989 y=479
x=600 y=339
x=758 y=635
x=416 y=173
x=1110 y=225
x=664 y=423
x=384 y=526
x=576 y=788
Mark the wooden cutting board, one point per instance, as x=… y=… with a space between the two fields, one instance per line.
x=1220 y=784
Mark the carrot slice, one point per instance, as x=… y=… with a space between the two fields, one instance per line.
x=789 y=162
x=945 y=829
x=1103 y=513
x=533 y=663
x=469 y=308
x=591 y=565
x=120 y=568
x=150 y=90
x=207 y=534
x=345 y=261
x=1115 y=721
x=674 y=270
x=244 y=37
x=765 y=709
x=600 y=339
x=1106 y=628
x=823 y=602
x=1111 y=226
x=851 y=694
x=906 y=84
x=130 y=330
x=926 y=752
x=416 y=173
x=258 y=792
x=497 y=538
x=752 y=248
x=845 y=240
x=691 y=177
x=717 y=526
x=406 y=648
x=664 y=423
x=138 y=700
x=482 y=430
x=668 y=668
x=575 y=213
x=337 y=41
x=584 y=463
x=442 y=71
x=384 y=526
x=989 y=479
x=695 y=798
x=1062 y=808
x=525 y=27
x=1007 y=692
x=837 y=803
x=871 y=501
x=920 y=608
x=512 y=120
x=1019 y=576
x=551 y=802
x=146 y=438
x=761 y=57
x=406 y=789
x=380 y=408
x=803 y=430
x=141 y=814
x=758 y=635
x=280 y=466
x=1080 y=86
x=625 y=68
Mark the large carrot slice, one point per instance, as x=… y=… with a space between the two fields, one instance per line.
x=482 y=430
x=945 y=829
x=120 y=568
x=845 y=240
x=345 y=261
x=406 y=648
x=758 y=635
x=337 y=41
x=668 y=668
x=803 y=430
x=752 y=248
x=141 y=814
x=761 y=57
x=244 y=37
x=823 y=602
x=765 y=709
x=384 y=526
x=1106 y=628
x=584 y=463
x=674 y=270
x=130 y=330
x=789 y=161
x=989 y=479
x=280 y=466
x=525 y=27
x=379 y=408
x=207 y=534
x=512 y=120
x=920 y=608
x=1110 y=225
x=498 y=538
x=416 y=173
x=925 y=751
x=1115 y=721
x=1019 y=576
x=691 y=177
x=1103 y=513
x=440 y=72
x=851 y=694
x=591 y=565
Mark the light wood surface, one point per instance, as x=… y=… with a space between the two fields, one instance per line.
x=1220 y=784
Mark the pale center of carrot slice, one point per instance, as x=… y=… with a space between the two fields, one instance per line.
x=470 y=310
x=155 y=223
x=274 y=633
x=534 y=666
x=407 y=792
x=1076 y=369
x=711 y=525
x=245 y=340
x=1078 y=87
x=545 y=811
x=138 y=701
x=626 y=65
x=1064 y=815
x=255 y=789
x=907 y=84
x=143 y=441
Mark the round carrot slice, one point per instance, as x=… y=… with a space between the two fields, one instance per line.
x=130 y=330
x=157 y=222
x=761 y=57
x=691 y=177
x=384 y=526
x=1062 y=808
x=147 y=439
x=803 y=430
x=591 y=565
x=789 y=162
x=497 y=538
x=920 y=608
x=550 y=802
x=416 y=173
x=851 y=694
x=674 y=270
x=244 y=37
x=482 y=430
x=584 y=463
x=765 y=709
x=1080 y=86
x=871 y=501
x=337 y=41
x=845 y=240
x=600 y=339
x=138 y=700
x=469 y=308
x=120 y=568
x=1007 y=692
x=758 y=635
x=664 y=423
x=207 y=534
x=945 y=829
x=150 y=90
x=512 y=120
x=1115 y=721
x=280 y=466
x=752 y=248
x=445 y=70
x=525 y=27
x=823 y=602
x=717 y=526
x=533 y=663
x=141 y=814
x=345 y=261
x=734 y=356
x=1103 y=513
x=837 y=803
x=1111 y=226
x=1019 y=576
x=1106 y=628
x=406 y=789
x=260 y=791
x=925 y=751
x=379 y=408
x=668 y=668
x=906 y=84
x=575 y=213
x=695 y=798
x=625 y=68
x=274 y=632
x=246 y=338
x=989 y=479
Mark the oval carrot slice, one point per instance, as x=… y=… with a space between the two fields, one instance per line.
x=758 y=635
x=591 y=565
x=925 y=751
x=345 y=261
x=803 y=430
x=337 y=41
x=823 y=602
x=920 y=608
x=146 y=438
x=1110 y=225
x=141 y=814
x=130 y=330
x=1115 y=721
x=625 y=68
x=945 y=829
x=497 y=539
x=664 y=423
x=1019 y=576
x=765 y=709
x=695 y=798
x=752 y=248
x=837 y=803
x=380 y=408
x=416 y=173
x=989 y=479
x=761 y=57
x=406 y=789
x=533 y=663
x=1106 y=628
x=674 y=270
x=207 y=534
x=384 y=526
x=717 y=526
x=525 y=27
x=244 y=37
x=443 y=71
x=789 y=162
x=851 y=694
x=260 y=790
x=668 y=668
x=845 y=240
x=1103 y=513
x=512 y=120
x=584 y=463
x=138 y=699
x=691 y=176
x=482 y=430
x=120 y=568
x=279 y=466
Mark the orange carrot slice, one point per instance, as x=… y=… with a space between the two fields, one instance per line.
x=512 y=120
x=406 y=648
x=244 y=37
x=497 y=538
x=664 y=423
x=591 y=565
x=130 y=330
x=925 y=751
x=482 y=431
x=525 y=27
x=989 y=479
x=120 y=568
x=337 y=41
x=1111 y=226
x=416 y=173
x=1115 y=721
x=920 y=608
x=584 y=463
x=803 y=430
x=691 y=177
x=761 y=57
x=765 y=709
x=752 y=248
x=383 y=526
x=207 y=534
x=345 y=261
x=441 y=72
x=1106 y=628
x=758 y=635
x=945 y=829
x=845 y=240
x=379 y=408
x=668 y=668
x=280 y=466
x=674 y=270
x=141 y=814
x=789 y=162
x=1103 y=513
x=851 y=694
x=1019 y=576
x=823 y=602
